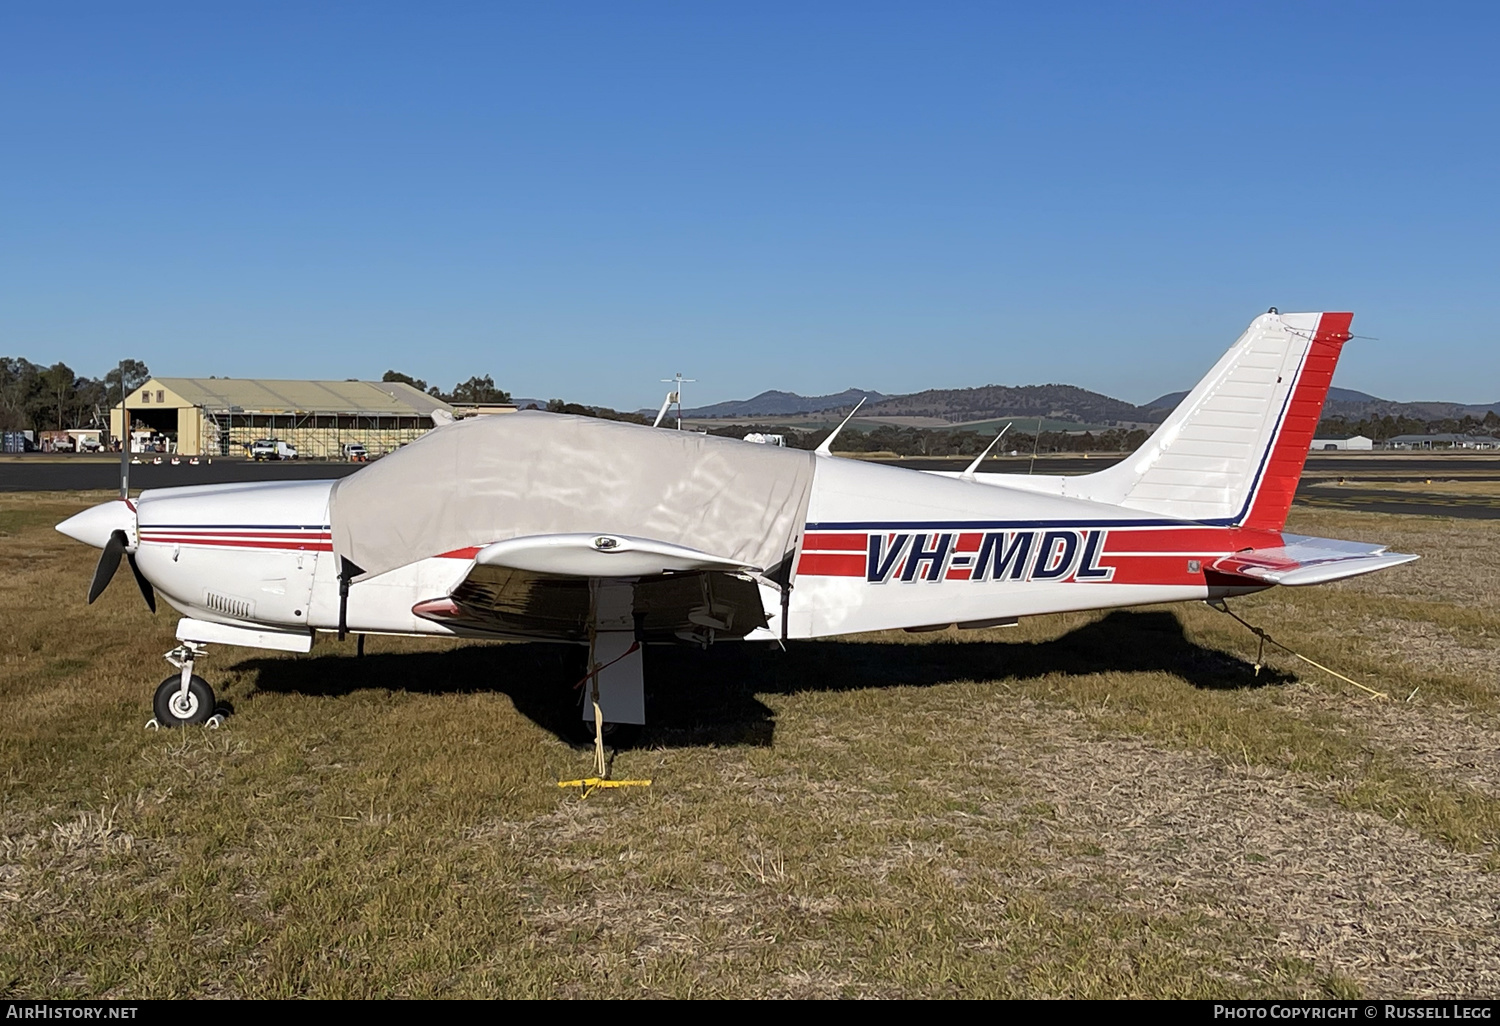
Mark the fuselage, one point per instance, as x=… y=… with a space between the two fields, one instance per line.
x=883 y=548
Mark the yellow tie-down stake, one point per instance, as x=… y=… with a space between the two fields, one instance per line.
x=592 y=784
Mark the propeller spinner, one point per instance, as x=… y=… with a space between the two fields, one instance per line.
x=109 y=526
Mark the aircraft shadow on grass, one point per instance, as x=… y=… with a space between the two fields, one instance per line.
x=709 y=697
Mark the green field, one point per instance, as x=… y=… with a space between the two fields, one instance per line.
x=1087 y=805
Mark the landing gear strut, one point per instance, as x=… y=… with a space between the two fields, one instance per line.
x=185 y=697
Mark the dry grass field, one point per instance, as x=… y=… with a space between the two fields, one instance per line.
x=1086 y=805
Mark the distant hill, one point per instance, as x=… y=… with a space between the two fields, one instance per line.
x=1055 y=402
x=782 y=404
x=1352 y=405
x=1417 y=411
x=1052 y=402
x=1335 y=395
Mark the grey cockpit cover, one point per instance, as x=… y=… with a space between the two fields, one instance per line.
x=491 y=478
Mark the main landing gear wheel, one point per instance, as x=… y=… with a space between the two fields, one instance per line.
x=174 y=709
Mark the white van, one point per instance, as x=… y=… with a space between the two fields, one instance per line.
x=272 y=449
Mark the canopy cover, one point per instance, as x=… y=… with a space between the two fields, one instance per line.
x=488 y=479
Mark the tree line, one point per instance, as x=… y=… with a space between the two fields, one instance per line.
x=475 y=390
x=1384 y=428
x=38 y=398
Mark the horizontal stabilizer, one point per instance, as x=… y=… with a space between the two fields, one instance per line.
x=1304 y=560
x=601 y=555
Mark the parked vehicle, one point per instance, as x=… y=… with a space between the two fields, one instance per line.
x=272 y=449
x=150 y=441
x=355 y=452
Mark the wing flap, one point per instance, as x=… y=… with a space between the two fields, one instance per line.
x=1303 y=560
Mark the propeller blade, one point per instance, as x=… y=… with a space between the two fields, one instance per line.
x=109 y=562
x=147 y=592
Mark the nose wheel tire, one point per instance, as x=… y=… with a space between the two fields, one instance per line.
x=174 y=709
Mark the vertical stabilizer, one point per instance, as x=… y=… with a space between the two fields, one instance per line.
x=1233 y=450
x=1270 y=503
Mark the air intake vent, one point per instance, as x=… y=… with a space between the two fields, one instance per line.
x=240 y=609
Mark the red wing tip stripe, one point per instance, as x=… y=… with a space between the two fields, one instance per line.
x=438 y=608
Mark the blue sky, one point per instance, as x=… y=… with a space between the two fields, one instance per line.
x=582 y=199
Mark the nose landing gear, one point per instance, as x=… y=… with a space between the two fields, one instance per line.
x=185 y=697
x=175 y=707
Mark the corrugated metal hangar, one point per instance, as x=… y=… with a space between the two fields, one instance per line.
x=222 y=416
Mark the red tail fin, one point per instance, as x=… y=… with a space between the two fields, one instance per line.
x=1288 y=455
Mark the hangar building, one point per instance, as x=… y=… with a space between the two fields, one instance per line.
x=1353 y=443
x=220 y=416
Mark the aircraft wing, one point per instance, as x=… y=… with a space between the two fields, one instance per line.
x=539 y=587
x=601 y=555
x=1303 y=560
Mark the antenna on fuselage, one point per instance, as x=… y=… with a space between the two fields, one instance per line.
x=826 y=448
x=124 y=439
x=968 y=475
x=1035 y=444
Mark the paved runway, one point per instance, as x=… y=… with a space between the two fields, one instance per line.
x=1319 y=486
x=1386 y=467
x=1373 y=500
x=25 y=474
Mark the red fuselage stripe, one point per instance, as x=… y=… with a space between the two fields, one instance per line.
x=174 y=536
x=821 y=542
x=832 y=564
x=288 y=545
x=1151 y=556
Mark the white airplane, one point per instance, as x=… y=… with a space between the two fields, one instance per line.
x=543 y=526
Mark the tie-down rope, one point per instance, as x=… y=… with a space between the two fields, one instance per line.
x=1264 y=637
x=601 y=767
x=634 y=646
